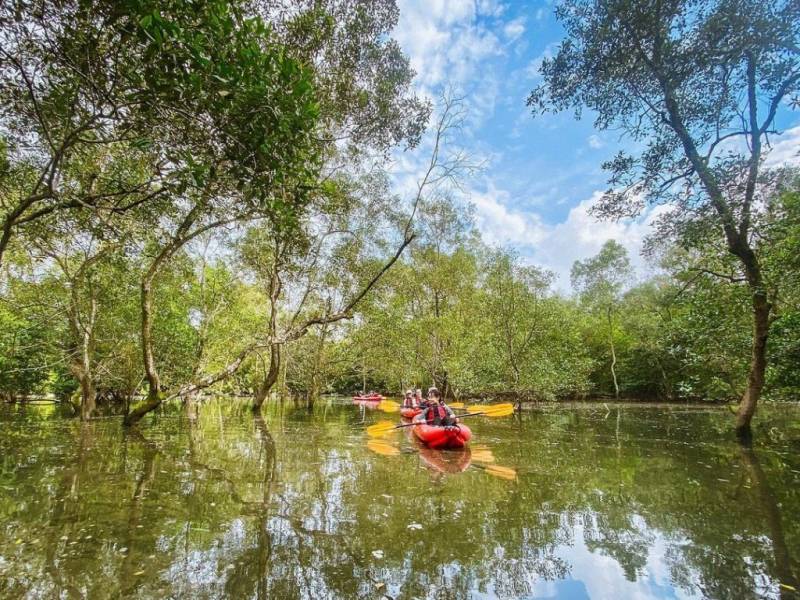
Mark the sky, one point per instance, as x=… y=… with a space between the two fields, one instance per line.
x=540 y=175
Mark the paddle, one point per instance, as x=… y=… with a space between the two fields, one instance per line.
x=481 y=454
x=496 y=410
x=390 y=406
x=502 y=472
x=382 y=447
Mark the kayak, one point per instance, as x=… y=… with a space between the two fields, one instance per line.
x=370 y=404
x=410 y=413
x=373 y=398
x=439 y=437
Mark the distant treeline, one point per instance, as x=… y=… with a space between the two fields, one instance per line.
x=453 y=312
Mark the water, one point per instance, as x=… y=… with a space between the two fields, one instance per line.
x=572 y=502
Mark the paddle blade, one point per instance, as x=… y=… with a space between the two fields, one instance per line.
x=482 y=454
x=389 y=406
x=493 y=410
x=382 y=447
x=456 y=405
x=380 y=428
x=502 y=472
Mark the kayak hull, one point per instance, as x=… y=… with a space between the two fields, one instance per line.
x=410 y=413
x=440 y=438
x=367 y=398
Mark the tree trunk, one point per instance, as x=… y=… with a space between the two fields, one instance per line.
x=737 y=238
x=154 y=396
x=613 y=353
x=82 y=331
x=272 y=376
x=88 y=397
x=758 y=357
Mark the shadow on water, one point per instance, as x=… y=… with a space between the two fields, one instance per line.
x=209 y=501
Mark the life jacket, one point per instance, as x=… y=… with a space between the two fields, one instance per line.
x=436 y=414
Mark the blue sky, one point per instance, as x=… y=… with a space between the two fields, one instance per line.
x=541 y=175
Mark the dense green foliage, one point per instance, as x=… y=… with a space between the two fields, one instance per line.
x=698 y=86
x=189 y=203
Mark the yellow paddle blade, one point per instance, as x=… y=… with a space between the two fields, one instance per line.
x=389 y=406
x=382 y=447
x=380 y=428
x=502 y=472
x=482 y=454
x=493 y=410
x=456 y=405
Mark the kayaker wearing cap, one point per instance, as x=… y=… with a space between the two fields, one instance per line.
x=438 y=413
x=409 y=401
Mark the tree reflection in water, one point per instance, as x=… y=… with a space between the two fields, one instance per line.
x=212 y=502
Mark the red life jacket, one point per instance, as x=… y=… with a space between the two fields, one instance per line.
x=435 y=411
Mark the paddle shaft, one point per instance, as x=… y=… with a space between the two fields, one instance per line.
x=457 y=416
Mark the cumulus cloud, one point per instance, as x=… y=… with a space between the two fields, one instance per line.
x=444 y=39
x=514 y=28
x=501 y=225
x=785 y=149
x=581 y=235
x=557 y=246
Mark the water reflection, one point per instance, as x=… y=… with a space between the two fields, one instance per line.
x=210 y=501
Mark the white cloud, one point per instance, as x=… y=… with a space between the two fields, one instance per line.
x=581 y=235
x=514 y=28
x=556 y=247
x=444 y=39
x=491 y=8
x=595 y=141
x=500 y=225
x=785 y=149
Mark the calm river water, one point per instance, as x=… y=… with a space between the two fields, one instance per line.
x=565 y=502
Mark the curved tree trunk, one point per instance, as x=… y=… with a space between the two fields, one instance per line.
x=758 y=357
x=271 y=378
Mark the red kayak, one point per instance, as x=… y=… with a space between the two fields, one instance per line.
x=438 y=437
x=372 y=398
x=410 y=413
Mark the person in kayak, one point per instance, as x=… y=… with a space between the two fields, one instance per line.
x=438 y=413
x=421 y=402
x=409 y=401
